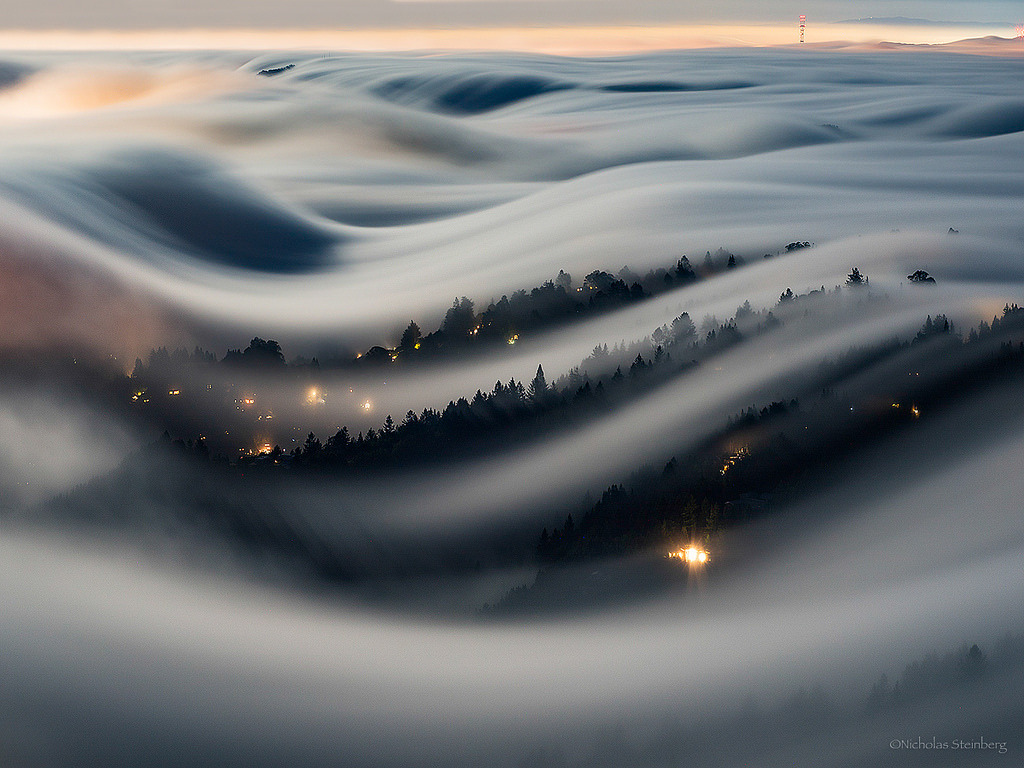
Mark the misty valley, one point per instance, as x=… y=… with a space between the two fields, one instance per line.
x=504 y=409
x=225 y=464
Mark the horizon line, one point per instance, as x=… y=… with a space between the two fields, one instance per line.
x=593 y=39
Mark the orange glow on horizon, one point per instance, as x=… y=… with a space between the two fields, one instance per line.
x=565 y=40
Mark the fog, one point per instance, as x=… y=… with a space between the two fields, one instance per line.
x=835 y=606
x=162 y=610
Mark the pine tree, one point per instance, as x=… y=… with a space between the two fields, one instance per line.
x=538 y=389
x=411 y=336
x=855 y=278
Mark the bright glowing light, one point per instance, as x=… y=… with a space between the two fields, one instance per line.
x=249 y=401
x=174 y=392
x=915 y=411
x=367 y=405
x=514 y=339
x=691 y=555
x=314 y=397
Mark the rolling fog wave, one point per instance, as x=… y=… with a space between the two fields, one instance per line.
x=830 y=608
x=206 y=199
x=573 y=179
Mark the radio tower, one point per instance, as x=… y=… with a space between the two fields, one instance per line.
x=803 y=23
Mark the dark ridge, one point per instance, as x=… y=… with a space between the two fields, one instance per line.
x=473 y=94
x=214 y=218
x=12 y=74
x=271 y=71
x=995 y=119
x=665 y=86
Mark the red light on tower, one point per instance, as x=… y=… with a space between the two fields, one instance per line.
x=803 y=23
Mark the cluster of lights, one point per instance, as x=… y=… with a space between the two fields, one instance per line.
x=914 y=410
x=691 y=555
x=514 y=339
x=735 y=459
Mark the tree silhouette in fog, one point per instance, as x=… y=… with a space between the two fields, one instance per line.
x=459 y=320
x=410 y=336
x=260 y=353
x=538 y=389
x=921 y=277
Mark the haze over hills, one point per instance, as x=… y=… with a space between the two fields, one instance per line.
x=508 y=409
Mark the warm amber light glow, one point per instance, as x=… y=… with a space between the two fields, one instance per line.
x=692 y=555
x=367 y=405
x=737 y=457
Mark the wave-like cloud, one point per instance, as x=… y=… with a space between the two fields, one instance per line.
x=328 y=204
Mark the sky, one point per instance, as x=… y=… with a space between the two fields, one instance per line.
x=159 y=14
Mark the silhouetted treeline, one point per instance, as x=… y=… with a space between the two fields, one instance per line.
x=962 y=699
x=934 y=673
x=719 y=484
x=685 y=503
x=513 y=412
x=503 y=321
x=762 y=453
